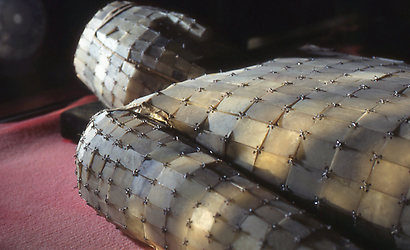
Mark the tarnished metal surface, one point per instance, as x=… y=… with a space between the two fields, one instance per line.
x=162 y=190
x=129 y=51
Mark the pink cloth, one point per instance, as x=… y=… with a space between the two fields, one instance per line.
x=39 y=205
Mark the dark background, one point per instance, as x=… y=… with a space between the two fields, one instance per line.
x=46 y=80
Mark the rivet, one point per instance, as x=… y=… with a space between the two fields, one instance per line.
x=365 y=186
x=189 y=222
x=128 y=192
x=167 y=210
x=145 y=202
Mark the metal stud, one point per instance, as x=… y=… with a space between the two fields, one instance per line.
x=257 y=99
x=187 y=175
x=284 y=187
x=376 y=157
x=95 y=150
x=271 y=90
x=146 y=157
x=354 y=216
x=363 y=87
x=397 y=93
x=353 y=125
x=107 y=136
x=404 y=200
x=338 y=145
x=188 y=223
x=106 y=158
x=296 y=239
x=390 y=135
x=351 y=95
x=258 y=150
x=118 y=163
x=117 y=143
x=326 y=173
x=290 y=160
x=223 y=178
x=136 y=172
x=395 y=230
x=365 y=186
x=383 y=101
x=167 y=210
x=317 y=202
x=318 y=117
x=145 y=202
x=303 y=134
x=314 y=70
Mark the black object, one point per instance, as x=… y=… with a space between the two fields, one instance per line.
x=74 y=121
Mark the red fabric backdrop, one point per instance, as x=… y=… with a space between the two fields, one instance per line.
x=39 y=205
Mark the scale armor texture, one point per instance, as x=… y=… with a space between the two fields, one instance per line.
x=163 y=190
x=128 y=51
x=209 y=162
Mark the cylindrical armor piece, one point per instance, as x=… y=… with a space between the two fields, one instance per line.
x=129 y=51
x=163 y=190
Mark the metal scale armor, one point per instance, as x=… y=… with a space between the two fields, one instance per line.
x=213 y=161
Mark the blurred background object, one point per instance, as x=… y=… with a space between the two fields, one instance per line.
x=36 y=60
x=22 y=27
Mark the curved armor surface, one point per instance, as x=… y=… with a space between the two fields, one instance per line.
x=331 y=134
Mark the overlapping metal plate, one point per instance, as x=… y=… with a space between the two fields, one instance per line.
x=166 y=192
x=128 y=51
x=332 y=132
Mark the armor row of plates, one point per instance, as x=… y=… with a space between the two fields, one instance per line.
x=196 y=165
